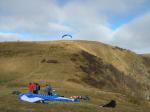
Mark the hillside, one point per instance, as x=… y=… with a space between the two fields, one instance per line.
x=75 y=68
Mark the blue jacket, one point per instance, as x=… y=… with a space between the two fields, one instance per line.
x=48 y=89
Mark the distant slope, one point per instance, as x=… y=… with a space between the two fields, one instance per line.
x=82 y=63
x=148 y=55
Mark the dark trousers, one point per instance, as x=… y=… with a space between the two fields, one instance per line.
x=49 y=93
x=35 y=91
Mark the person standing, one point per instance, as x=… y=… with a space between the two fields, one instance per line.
x=34 y=88
x=30 y=87
x=37 y=88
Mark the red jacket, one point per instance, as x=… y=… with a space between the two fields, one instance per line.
x=31 y=87
x=34 y=86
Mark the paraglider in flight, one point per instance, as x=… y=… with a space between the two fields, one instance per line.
x=66 y=35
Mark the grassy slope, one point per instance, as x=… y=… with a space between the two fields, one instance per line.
x=77 y=60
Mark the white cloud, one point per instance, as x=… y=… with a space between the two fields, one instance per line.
x=134 y=35
x=59 y=27
x=34 y=16
x=9 y=36
x=86 y=19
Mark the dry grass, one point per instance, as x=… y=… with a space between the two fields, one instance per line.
x=82 y=67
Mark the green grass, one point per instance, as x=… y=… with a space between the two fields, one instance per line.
x=11 y=103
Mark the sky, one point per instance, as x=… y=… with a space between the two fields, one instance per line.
x=123 y=23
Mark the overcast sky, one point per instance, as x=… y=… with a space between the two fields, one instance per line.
x=124 y=23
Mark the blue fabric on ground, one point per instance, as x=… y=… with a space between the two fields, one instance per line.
x=49 y=98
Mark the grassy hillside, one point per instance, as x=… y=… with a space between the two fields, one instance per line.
x=74 y=68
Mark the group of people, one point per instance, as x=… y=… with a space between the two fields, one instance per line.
x=35 y=88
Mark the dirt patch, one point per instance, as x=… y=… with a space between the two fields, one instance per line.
x=43 y=60
x=51 y=61
x=48 y=61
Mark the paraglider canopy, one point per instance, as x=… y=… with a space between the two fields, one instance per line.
x=66 y=35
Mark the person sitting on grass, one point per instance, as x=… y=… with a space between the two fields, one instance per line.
x=48 y=90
